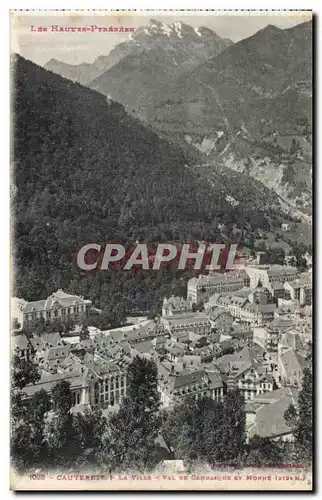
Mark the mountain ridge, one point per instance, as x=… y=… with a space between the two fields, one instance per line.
x=156 y=35
x=86 y=171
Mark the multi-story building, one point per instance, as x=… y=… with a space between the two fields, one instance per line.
x=79 y=380
x=254 y=381
x=290 y=366
x=300 y=289
x=175 y=386
x=108 y=381
x=196 y=322
x=21 y=346
x=267 y=275
x=200 y=289
x=249 y=312
x=175 y=305
x=58 y=306
x=95 y=382
x=265 y=414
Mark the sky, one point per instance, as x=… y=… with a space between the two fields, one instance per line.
x=74 y=48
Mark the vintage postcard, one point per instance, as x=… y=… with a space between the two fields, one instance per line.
x=161 y=214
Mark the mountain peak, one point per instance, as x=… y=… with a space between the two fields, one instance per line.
x=271 y=29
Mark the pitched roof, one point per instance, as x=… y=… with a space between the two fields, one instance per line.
x=292 y=339
x=215 y=380
x=278 y=270
x=49 y=381
x=58 y=352
x=60 y=298
x=272 y=397
x=186 y=378
x=219 y=278
x=20 y=342
x=291 y=362
x=187 y=318
x=270 y=420
x=46 y=340
x=143 y=347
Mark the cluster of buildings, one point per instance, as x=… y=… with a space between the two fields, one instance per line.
x=249 y=329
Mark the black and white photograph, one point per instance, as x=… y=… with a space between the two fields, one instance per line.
x=161 y=332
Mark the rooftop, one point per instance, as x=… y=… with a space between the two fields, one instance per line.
x=59 y=298
x=217 y=278
x=20 y=342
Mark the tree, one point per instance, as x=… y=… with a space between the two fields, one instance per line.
x=295 y=148
x=90 y=430
x=233 y=427
x=136 y=425
x=301 y=419
x=263 y=451
x=206 y=430
x=180 y=429
x=28 y=444
x=84 y=333
x=24 y=372
x=59 y=430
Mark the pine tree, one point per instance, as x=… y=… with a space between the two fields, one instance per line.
x=301 y=419
x=89 y=429
x=135 y=427
x=233 y=427
x=28 y=444
x=84 y=333
x=59 y=431
x=262 y=451
x=24 y=372
x=303 y=433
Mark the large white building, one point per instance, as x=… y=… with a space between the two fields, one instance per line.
x=245 y=309
x=196 y=382
x=267 y=275
x=300 y=289
x=175 y=305
x=58 y=306
x=200 y=289
x=196 y=322
x=98 y=382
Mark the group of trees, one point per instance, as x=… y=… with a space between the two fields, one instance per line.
x=46 y=433
x=301 y=419
x=207 y=431
x=212 y=432
x=85 y=172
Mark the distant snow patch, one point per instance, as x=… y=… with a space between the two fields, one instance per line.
x=166 y=30
x=197 y=31
x=177 y=27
